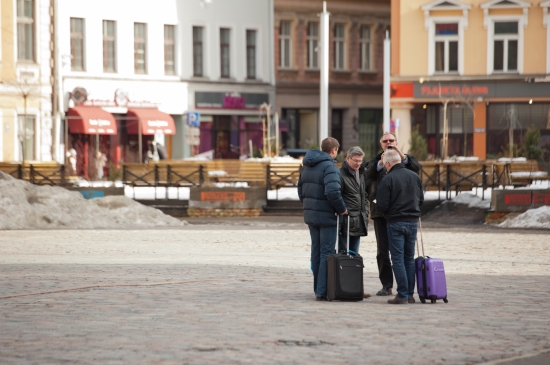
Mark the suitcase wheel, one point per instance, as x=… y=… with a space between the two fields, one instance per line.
x=445 y=300
x=433 y=301
x=422 y=299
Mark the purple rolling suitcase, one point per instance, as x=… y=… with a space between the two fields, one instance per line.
x=430 y=276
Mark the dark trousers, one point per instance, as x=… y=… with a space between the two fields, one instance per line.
x=385 y=272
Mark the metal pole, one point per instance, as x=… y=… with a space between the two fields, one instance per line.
x=387 y=82
x=268 y=110
x=139 y=139
x=324 y=47
x=277 y=134
x=24 y=128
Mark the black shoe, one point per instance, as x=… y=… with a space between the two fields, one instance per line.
x=384 y=291
x=411 y=300
x=320 y=298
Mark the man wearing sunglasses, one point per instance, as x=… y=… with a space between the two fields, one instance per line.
x=375 y=171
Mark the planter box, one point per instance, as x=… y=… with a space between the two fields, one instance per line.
x=518 y=200
x=227 y=198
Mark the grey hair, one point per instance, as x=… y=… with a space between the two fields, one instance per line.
x=355 y=151
x=392 y=157
x=394 y=136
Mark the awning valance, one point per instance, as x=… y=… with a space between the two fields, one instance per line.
x=151 y=121
x=91 y=120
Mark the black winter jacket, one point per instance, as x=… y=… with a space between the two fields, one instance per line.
x=319 y=189
x=374 y=176
x=355 y=197
x=400 y=195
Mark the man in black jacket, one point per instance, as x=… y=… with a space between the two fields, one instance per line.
x=375 y=172
x=320 y=193
x=354 y=193
x=399 y=198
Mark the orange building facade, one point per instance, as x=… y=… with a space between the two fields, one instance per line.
x=487 y=61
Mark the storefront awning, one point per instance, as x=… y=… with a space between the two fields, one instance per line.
x=151 y=121
x=91 y=120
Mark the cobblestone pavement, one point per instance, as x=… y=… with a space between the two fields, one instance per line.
x=245 y=296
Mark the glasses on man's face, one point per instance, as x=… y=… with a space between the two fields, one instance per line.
x=356 y=161
x=388 y=141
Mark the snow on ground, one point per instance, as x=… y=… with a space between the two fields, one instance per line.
x=27 y=206
x=533 y=218
x=472 y=201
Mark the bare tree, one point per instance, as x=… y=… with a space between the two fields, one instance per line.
x=457 y=99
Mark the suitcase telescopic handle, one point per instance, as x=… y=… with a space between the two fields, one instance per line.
x=421 y=238
x=337 y=235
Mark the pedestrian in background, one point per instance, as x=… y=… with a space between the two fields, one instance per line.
x=399 y=198
x=375 y=172
x=320 y=193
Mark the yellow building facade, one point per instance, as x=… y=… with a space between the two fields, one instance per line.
x=488 y=61
x=25 y=84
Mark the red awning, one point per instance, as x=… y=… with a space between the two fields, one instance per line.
x=151 y=121
x=91 y=120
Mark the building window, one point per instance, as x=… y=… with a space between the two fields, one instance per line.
x=285 y=44
x=224 y=52
x=25 y=30
x=169 y=49
x=505 y=47
x=77 y=44
x=109 y=46
x=197 y=51
x=250 y=54
x=312 y=43
x=339 y=46
x=366 y=48
x=370 y=130
x=446 y=47
x=140 y=48
x=27 y=127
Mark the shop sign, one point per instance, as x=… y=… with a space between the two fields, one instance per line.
x=493 y=89
x=212 y=100
x=446 y=91
x=193 y=119
x=121 y=98
x=192 y=136
x=223 y=196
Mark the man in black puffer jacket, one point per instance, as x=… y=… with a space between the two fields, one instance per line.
x=320 y=193
x=399 y=198
x=354 y=193
x=375 y=172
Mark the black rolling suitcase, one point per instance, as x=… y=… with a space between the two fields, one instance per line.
x=344 y=274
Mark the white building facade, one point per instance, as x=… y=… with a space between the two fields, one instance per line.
x=119 y=79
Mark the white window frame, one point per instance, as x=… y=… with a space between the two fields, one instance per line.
x=430 y=21
x=364 y=45
x=282 y=39
x=546 y=23
x=462 y=24
x=339 y=42
x=446 y=39
x=489 y=24
x=491 y=43
x=310 y=49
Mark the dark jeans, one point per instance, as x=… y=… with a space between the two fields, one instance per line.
x=323 y=241
x=402 y=237
x=383 y=253
x=353 y=243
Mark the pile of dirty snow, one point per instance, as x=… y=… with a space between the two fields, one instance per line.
x=472 y=201
x=533 y=218
x=27 y=206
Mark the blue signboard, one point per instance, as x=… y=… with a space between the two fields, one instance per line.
x=90 y=194
x=193 y=119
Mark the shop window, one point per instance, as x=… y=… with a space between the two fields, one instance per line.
x=197 y=51
x=77 y=44
x=140 y=48
x=312 y=44
x=27 y=127
x=250 y=54
x=25 y=30
x=365 y=51
x=109 y=46
x=446 y=47
x=505 y=47
x=225 y=52
x=339 y=37
x=370 y=130
x=285 y=44
x=337 y=123
x=169 y=49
